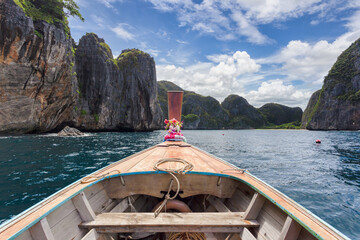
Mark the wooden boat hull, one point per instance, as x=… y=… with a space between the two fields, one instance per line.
x=227 y=202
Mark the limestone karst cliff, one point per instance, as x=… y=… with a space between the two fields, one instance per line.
x=278 y=114
x=36 y=81
x=242 y=114
x=337 y=105
x=200 y=112
x=44 y=86
x=115 y=94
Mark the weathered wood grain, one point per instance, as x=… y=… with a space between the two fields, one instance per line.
x=168 y=222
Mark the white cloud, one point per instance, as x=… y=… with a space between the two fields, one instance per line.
x=153 y=52
x=182 y=42
x=82 y=3
x=353 y=21
x=212 y=17
x=108 y=3
x=121 y=32
x=238 y=73
x=247 y=29
x=277 y=91
x=230 y=19
x=98 y=20
x=309 y=62
x=224 y=75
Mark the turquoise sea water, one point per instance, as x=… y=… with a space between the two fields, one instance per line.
x=324 y=178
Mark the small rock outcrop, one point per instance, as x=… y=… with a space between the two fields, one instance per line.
x=279 y=114
x=337 y=105
x=36 y=82
x=68 y=131
x=309 y=108
x=115 y=94
x=242 y=114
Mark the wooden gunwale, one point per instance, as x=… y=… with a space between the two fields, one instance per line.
x=315 y=225
x=210 y=165
x=26 y=219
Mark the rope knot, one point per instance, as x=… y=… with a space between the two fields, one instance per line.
x=183 y=170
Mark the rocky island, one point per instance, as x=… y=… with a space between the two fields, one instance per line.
x=48 y=82
x=336 y=106
x=200 y=112
x=115 y=94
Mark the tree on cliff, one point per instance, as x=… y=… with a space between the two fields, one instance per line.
x=51 y=11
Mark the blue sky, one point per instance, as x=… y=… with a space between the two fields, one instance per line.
x=263 y=50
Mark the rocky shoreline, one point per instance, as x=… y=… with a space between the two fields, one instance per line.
x=47 y=82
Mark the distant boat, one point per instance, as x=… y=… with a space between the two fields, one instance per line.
x=172 y=190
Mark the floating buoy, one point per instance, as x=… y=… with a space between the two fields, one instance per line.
x=318 y=141
x=223 y=134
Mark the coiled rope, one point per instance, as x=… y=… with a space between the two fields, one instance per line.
x=92 y=178
x=182 y=170
x=187 y=236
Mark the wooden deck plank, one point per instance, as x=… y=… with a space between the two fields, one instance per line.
x=246 y=235
x=168 y=222
x=19 y=223
x=254 y=207
x=147 y=164
x=290 y=230
x=199 y=164
x=239 y=201
x=42 y=230
x=124 y=204
x=140 y=159
x=68 y=227
x=218 y=205
x=91 y=235
x=82 y=204
x=217 y=165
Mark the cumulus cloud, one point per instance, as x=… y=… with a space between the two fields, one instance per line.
x=299 y=67
x=230 y=19
x=121 y=32
x=225 y=74
x=308 y=62
x=277 y=91
x=212 y=18
x=239 y=73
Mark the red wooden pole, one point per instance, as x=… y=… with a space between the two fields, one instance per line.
x=175 y=104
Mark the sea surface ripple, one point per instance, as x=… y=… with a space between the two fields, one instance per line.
x=324 y=178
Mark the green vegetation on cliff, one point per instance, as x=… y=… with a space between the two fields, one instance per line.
x=342 y=73
x=292 y=125
x=50 y=11
x=277 y=114
x=242 y=114
x=200 y=112
x=336 y=105
x=129 y=57
x=344 y=68
x=195 y=107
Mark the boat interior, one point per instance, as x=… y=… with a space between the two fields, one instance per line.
x=204 y=206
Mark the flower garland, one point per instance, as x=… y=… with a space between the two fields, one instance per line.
x=174 y=130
